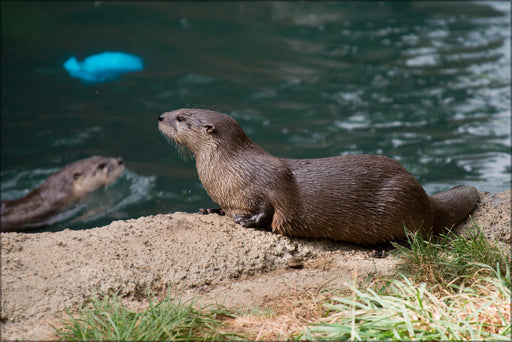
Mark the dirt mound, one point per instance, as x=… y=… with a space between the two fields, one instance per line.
x=44 y=273
x=492 y=216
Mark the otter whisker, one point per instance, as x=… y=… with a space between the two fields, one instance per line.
x=184 y=153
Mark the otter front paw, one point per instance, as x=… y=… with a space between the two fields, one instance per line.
x=247 y=221
x=251 y=221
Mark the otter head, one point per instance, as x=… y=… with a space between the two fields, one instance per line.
x=93 y=173
x=202 y=131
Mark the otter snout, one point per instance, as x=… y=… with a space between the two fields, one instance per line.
x=165 y=119
x=114 y=167
x=168 y=117
x=180 y=115
x=166 y=124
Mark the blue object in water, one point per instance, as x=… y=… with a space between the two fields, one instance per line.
x=103 y=67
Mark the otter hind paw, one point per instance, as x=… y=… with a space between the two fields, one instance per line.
x=218 y=211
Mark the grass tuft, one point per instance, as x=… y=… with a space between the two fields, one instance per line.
x=450 y=259
x=414 y=312
x=450 y=287
x=106 y=318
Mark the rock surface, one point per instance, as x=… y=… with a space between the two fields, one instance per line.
x=44 y=273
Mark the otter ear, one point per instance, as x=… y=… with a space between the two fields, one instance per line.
x=77 y=175
x=209 y=128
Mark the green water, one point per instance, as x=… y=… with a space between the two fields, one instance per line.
x=426 y=83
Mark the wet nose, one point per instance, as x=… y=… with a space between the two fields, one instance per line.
x=161 y=117
x=120 y=160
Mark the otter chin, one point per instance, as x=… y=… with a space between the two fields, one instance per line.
x=362 y=199
x=58 y=192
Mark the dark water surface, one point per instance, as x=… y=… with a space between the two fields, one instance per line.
x=426 y=83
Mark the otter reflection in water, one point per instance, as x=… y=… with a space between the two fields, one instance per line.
x=62 y=189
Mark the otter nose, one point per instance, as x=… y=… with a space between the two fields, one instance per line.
x=161 y=117
x=120 y=160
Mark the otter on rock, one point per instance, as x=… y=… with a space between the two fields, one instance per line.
x=58 y=192
x=363 y=199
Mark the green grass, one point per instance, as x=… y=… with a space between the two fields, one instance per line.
x=106 y=319
x=447 y=288
x=414 y=312
x=451 y=260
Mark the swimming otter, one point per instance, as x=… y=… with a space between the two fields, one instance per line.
x=58 y=192
x=363 y=199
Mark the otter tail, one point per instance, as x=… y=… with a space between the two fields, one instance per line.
x=452 y=206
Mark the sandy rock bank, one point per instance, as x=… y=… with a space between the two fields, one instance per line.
x=44 y=273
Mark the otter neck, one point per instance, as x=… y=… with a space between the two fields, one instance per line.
x=220 y=157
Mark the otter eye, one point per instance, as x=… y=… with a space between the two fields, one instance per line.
x=102 y=166
x=179 y=118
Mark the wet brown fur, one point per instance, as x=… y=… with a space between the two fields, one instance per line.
x=364 y=199
x=58 y=192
